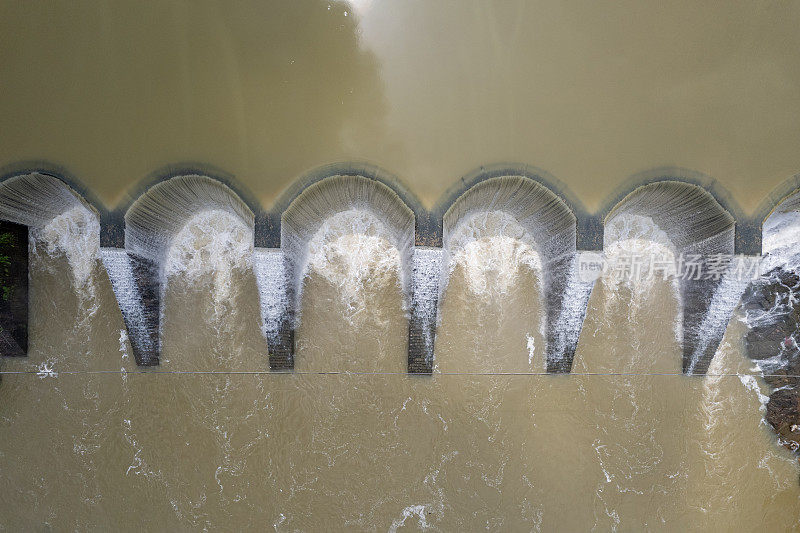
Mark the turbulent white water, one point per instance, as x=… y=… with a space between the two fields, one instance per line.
x=212 y=243
x=641 y=229
x=120 y=272
x=781 y=234
x=350 y=250
x=781 y=231
x=492 y=264
x=492 y=246
x=170 y=207
x=637 y=276
x=383 y=451
x=723 y=304
x=495 y=287
x=353 y=286
x=427 y=273
x=270 y=271
x=347 y=208
x=735 y=449
x=576 y=300
x=76 y=234
x=487 y=441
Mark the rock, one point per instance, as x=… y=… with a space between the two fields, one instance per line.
x=772 y=308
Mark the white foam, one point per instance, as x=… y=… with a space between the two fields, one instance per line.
x=408 y=512
x=723 y=304
x=123 y=344
x=46 y=370
x=631 y=251
x=574 y=305
x=120 y=272
x=493 y=264
x=427 y=268
x=76 y=234
x=212 y=244
x=638 y=230
x=491 y=247
x=270 y=273
x=781 y=236
x=350 y=251
x=168 y=208
x=342 y=213
x=530 y=344
x=751 y=384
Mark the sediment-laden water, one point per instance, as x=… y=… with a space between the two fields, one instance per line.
x=488 y=441
x=135 y=105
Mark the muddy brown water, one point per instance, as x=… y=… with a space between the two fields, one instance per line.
x=488 y=441
x=210 y=439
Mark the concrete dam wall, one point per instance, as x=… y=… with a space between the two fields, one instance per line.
x=685 y=213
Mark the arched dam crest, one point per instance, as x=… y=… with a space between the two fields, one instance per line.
x=30 y=203
x=698 y=230
x=132 y=245
x=426 y=232
x=518 y=207
x=748 y=227
x=151 y=223
x=339 y=205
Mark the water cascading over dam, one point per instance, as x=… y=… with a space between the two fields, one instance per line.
x=151 y=224
x=519 y=209
x=693 y=228
x=335 y=208
x=58 y=221
x=493 y=302
x=502 y=204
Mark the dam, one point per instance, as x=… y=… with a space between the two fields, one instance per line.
x=350 y=247
x=360 y=265
x=136 y=245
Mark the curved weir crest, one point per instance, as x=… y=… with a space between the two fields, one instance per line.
x=697 y=229
x=164 y=213
x=335 y=207
x=496 y=202
x=45 y=211
x=522 y=209
x=59 y=220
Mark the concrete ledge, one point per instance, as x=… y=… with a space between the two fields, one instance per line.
x=428 y=229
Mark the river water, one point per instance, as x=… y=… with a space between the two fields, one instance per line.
x=488 y=441
x=211 y=439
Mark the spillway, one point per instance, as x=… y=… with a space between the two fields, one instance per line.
x=427 y=270
x=130 y=285
x=269 y=266
x=690 y=222
x=521 y=208
x=373 y=265
x=484 y=296
x=510 y=203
